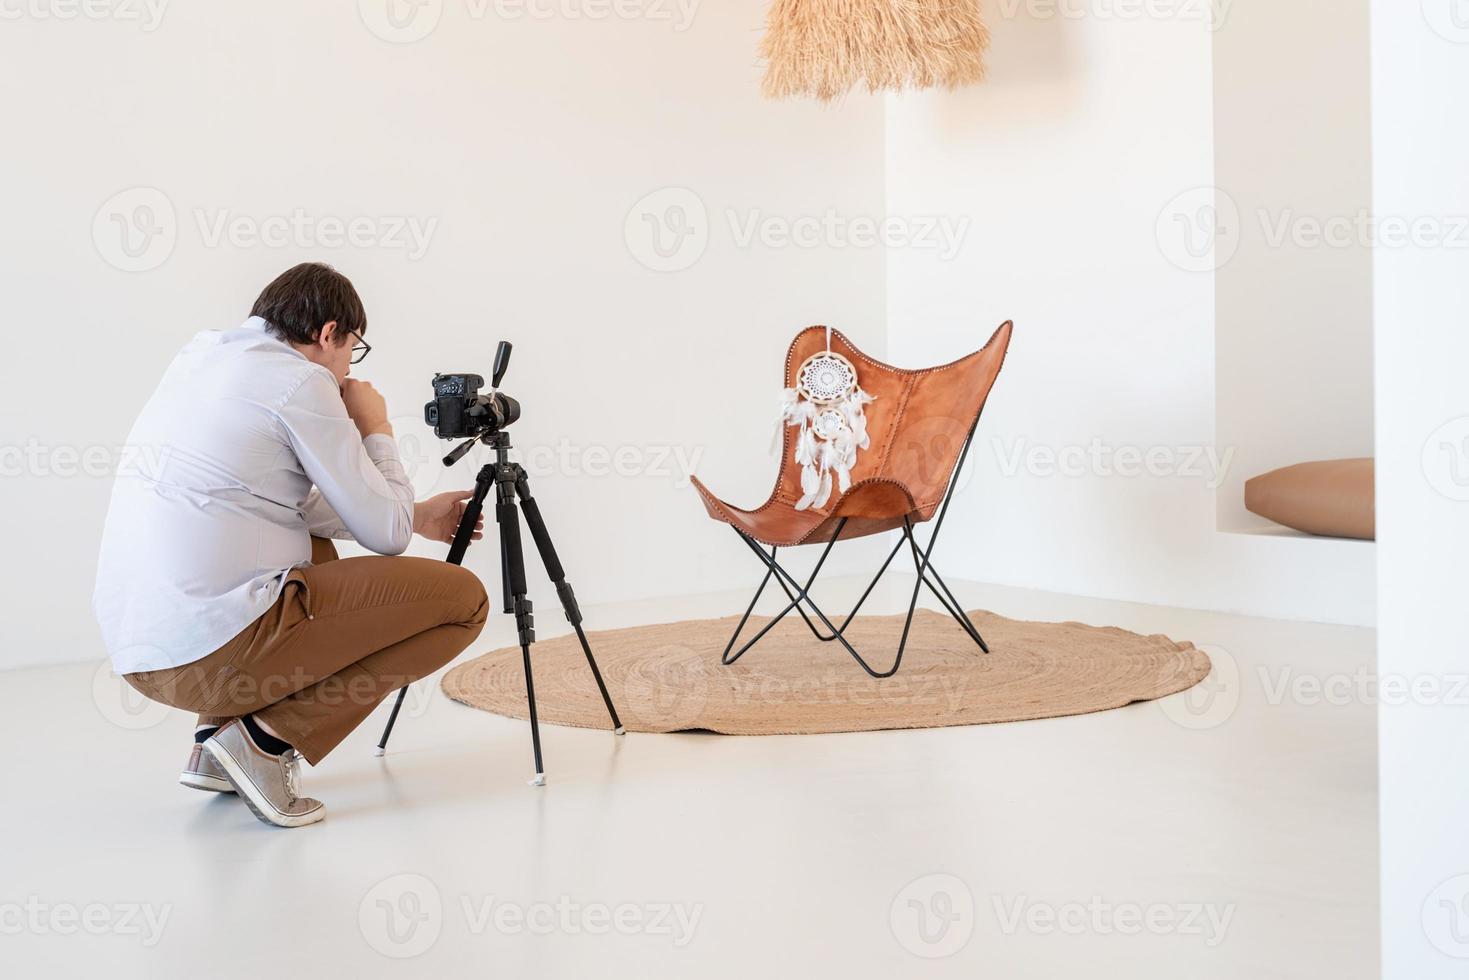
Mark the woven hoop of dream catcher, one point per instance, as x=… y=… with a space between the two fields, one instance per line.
x=826 y=407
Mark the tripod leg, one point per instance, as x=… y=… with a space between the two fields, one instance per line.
x=382 y=743
x=557 y=574
x=514 y=564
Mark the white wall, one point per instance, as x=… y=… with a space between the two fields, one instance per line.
x=1292 y=150
x=529 y=142
x=1079 y=165
x=1420 y=158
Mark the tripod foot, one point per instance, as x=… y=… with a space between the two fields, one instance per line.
x=619 y=730
x=540 y=779
x=378 y=751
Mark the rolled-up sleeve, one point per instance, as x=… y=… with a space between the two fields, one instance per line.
x=361 y=488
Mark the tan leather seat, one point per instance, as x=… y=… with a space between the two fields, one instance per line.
x=1334 y=497
x=918 y=424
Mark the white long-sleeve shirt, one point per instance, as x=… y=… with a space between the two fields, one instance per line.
x=244 y=451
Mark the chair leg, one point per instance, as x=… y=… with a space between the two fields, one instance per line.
x=828 y=637
x=773 y=567
x=946 y=598
x=803 y=593
x=957 y=611
x=798 y=593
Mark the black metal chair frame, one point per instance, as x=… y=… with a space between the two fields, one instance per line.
x=922 y=565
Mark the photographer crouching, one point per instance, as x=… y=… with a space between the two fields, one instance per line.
x=218 y=588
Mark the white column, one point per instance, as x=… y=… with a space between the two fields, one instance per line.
x=1420 y=120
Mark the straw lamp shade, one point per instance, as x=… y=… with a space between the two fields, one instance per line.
x=822 y=48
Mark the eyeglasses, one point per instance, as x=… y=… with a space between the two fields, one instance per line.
x=361 y=349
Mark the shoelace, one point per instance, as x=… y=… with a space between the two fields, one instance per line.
x=291 y=764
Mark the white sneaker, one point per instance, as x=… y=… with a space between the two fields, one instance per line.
x=204 y=773
x=269 y=784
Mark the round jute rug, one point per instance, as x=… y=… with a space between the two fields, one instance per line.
x=667 y=678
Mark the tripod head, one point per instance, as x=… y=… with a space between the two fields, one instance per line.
x=459 y=409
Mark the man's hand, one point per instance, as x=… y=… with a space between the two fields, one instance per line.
x=367 y=408
x=437 y=518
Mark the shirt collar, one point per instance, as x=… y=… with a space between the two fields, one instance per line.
x=258 y=324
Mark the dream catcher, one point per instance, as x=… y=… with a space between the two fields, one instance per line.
x=826 y=406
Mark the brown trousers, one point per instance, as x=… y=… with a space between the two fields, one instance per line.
x=343 y=635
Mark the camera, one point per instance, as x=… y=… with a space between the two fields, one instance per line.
x=459 y=411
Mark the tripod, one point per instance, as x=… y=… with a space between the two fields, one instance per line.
x=509 y=480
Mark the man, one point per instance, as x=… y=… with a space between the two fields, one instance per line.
x=218 y=589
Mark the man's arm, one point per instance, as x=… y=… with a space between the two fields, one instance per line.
x=353 y=461
x=321 y=520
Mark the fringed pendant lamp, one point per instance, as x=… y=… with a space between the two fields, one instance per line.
x=822 y=48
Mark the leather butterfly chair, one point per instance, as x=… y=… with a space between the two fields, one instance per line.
x=921 y=424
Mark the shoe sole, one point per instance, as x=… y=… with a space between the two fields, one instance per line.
x=209 y=784
x=263 y=809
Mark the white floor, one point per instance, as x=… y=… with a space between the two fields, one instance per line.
x=1225 y=833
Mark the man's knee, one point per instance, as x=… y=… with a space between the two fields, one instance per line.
x=473 y=599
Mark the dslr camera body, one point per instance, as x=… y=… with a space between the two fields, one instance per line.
x=459 y=411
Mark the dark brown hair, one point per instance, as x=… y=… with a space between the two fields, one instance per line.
x=305 y=298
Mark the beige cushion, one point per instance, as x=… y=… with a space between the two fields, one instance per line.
x=1332 y=497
